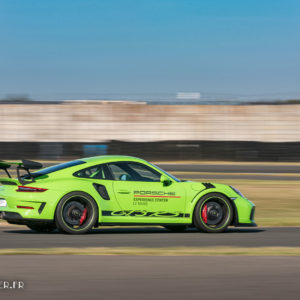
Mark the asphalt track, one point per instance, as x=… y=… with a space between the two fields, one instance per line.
x=148 y=278
x=233 y=168
x=14 y=237
x=234 y=171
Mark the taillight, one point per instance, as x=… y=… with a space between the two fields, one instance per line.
x=25 y=207
x=22 y=188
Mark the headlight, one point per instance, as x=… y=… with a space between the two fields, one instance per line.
x=238 y=192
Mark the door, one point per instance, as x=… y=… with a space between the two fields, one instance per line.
x=143 y=198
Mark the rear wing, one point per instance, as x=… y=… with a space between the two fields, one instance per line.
x=26 y=165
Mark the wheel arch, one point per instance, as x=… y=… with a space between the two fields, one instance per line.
x=214 y=191
x=98 y=212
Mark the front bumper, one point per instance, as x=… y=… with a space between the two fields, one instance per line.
x=252 y=223
x=244 y=213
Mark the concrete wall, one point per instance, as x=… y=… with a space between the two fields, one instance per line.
x=155 y=151
x=97 y=121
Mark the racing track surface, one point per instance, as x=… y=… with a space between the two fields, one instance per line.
x=148 y=278
x=14 y=237
x=234 y=171
x=232 y=168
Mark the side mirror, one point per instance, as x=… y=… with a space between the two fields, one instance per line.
x=165 y=180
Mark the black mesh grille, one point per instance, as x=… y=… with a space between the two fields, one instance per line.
x=208 y=185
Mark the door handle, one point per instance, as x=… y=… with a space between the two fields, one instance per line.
x=123 y=192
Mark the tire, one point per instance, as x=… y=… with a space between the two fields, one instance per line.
x=76 y=213
x=43 y=228
x=213 y=213
x=176 y=228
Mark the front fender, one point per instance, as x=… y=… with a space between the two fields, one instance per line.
x=220 y=189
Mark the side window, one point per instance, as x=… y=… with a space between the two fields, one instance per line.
x=94 y=172
x=128 y=171
x=119 y=172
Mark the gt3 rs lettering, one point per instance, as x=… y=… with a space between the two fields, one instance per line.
x=127 y=213
x=143 y=213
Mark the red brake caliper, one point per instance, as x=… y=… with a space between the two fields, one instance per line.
x=83 y=217
x=204 y=214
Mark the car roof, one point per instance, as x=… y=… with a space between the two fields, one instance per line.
x=111 y=158
x=87 y=162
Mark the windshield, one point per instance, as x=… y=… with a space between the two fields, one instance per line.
x=168 y=174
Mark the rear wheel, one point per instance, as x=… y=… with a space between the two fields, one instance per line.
x=213 y=213
x=176 y=228
x=45 y=228
x=76 y=213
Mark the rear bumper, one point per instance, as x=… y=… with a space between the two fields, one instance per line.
x=17 y=209
x=16 y=218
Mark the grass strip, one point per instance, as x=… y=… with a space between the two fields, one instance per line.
x=177 y=251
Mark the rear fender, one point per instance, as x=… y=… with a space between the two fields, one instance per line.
x=99 y=215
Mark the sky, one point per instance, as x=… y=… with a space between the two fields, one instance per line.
x=81 y=47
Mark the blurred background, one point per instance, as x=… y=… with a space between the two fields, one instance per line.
x=165 y=80
x=70 y=129
x=207 y=89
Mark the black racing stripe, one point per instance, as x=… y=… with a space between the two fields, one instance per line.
x=106 y=212
x=129 y=213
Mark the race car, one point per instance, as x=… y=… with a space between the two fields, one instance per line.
x=79 y=195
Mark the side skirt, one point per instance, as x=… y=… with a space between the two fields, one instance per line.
x=141 y=224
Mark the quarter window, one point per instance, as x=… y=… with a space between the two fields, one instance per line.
x=94 y=172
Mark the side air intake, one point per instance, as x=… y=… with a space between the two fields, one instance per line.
x=101 y=189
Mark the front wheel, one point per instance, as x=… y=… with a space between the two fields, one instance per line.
x=76 y=213
x=213 y=213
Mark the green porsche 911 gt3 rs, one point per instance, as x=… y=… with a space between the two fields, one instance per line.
x=116 y=190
